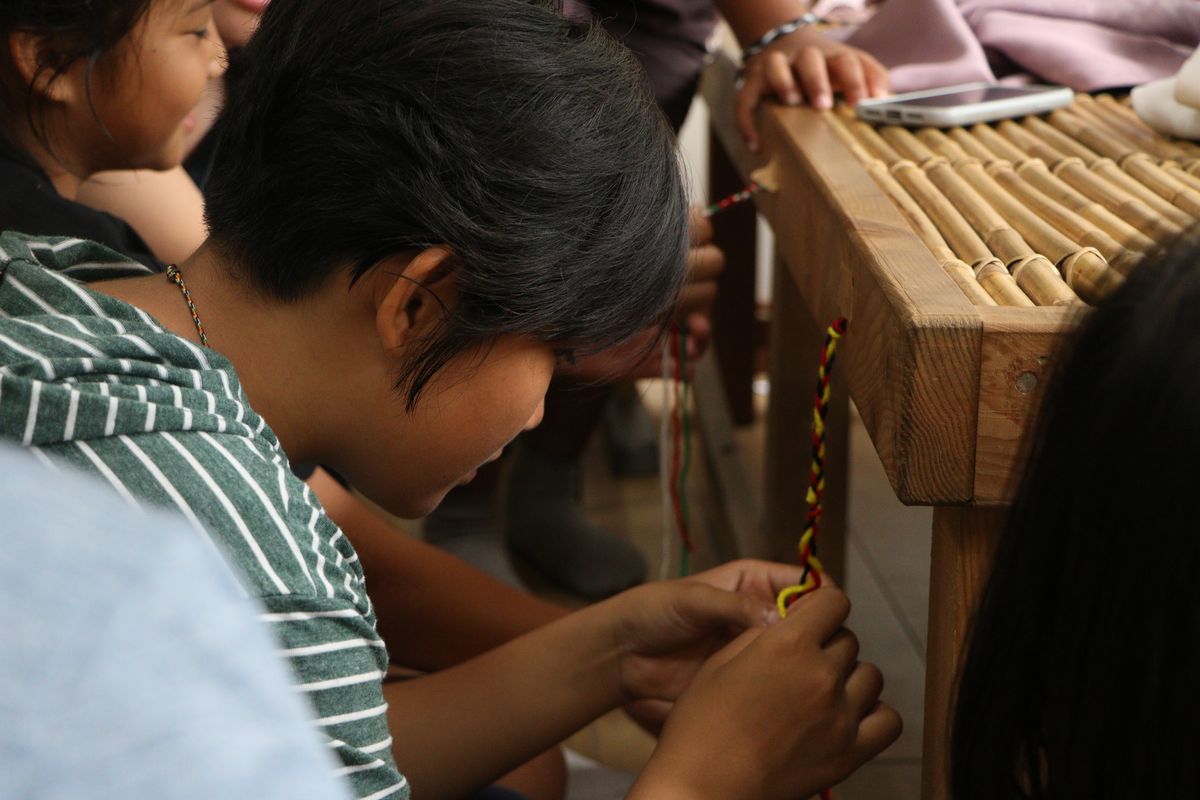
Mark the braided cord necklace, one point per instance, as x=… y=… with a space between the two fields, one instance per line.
x=176 y=277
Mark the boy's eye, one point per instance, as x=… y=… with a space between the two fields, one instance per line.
x=200 y=34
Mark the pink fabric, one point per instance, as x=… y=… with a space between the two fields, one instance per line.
x=1085 y=44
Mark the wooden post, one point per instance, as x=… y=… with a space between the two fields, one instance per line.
x=963 y=541
x=796 y=343
x=735 y=232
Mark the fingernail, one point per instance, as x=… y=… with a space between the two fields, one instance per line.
x=793 y=98
x=822 y=102
x=773 y=616
x=753 y=145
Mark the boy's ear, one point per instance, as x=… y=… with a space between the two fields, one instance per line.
x=409 y=305
x=27 y=50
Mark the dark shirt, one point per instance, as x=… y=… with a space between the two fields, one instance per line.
x=669 y=38
x=30 y=204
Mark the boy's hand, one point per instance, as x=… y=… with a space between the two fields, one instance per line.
x=760 y=580
x=806 y=65
x=781 y=712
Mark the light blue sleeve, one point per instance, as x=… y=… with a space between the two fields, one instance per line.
x=131 y=663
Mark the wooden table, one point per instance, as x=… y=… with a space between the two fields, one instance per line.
x=946 y=389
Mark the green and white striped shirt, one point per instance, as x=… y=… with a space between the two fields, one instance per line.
x=93 y=382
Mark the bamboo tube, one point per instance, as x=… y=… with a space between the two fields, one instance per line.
x=852 y=144
x=1185 y=152
x=962 y=274
x=1132 y=160
x=1176 y=171
x=1174 y=191
x=1135 y=202
x=1083 y=130
x=999 y=283
x=977 y=148
x=1142 y=139
x=958 y=232
x=1034 y=171
x=906 y=144
x=1028 y=142
x=1106 y=168
x=1058 y=140
x=1036 y=276
x=1062 y=218
x=1141 y=212
x=874 y=143
x=1084 y=268
x=951 y=148
x=991 y=142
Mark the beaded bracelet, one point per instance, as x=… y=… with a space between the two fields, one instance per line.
x=778 y=32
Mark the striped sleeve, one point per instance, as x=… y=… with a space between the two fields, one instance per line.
x=339 y=663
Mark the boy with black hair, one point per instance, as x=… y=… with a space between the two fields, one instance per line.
x=414 y=212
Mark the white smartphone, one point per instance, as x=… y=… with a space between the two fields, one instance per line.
x=965 y=104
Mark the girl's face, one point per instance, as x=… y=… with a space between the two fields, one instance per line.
x=143 y=92
x=237 y=20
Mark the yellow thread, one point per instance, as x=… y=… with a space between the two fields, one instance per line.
x=816 y=485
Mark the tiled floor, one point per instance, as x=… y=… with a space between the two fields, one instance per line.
x=887 y=580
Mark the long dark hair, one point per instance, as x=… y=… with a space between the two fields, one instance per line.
x=1080 y=679
x=69 y=31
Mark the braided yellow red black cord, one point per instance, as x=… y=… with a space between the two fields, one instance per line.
x=811 y=570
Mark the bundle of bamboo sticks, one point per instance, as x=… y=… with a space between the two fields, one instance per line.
x=1049 y=211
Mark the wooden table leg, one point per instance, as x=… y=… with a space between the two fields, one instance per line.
x=963 y=541
x=796 y=343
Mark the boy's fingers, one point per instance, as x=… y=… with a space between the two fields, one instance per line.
x=745 y=105
x=814 y=77
x=819 y=614
x=878 y=82
x=700 y=230
x=843 y=649
x=863 y=688
x=707 y=261
x=733 y=649
x=877 y=730
x=779 y=77
x=846 y=72
x=717 y=609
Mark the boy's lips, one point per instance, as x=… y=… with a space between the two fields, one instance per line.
x=255 y=6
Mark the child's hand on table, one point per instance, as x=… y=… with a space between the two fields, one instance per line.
x=806 y=65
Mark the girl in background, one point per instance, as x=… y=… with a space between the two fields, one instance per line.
x=1080 y=673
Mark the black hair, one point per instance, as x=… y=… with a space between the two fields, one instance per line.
x=69 y=31
x=1079 y=680
x=526 y=143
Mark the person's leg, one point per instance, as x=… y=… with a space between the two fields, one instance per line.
x=545 y=521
